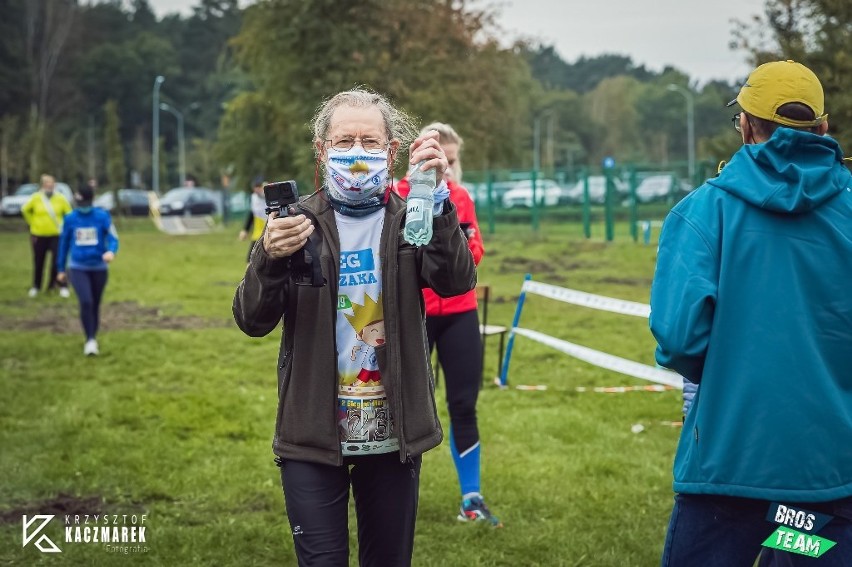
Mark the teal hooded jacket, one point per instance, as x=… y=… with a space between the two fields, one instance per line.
x=752 y=299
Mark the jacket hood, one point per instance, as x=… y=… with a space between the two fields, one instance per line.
x=792 y=172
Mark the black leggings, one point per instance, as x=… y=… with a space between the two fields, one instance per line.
x=317 y=500
x=89 y=286
x=460 y=353
x=41 y=246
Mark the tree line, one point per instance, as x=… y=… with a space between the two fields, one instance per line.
x=77 y=86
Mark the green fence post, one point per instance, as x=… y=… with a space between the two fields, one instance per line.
x=534 y=203
x=670 y=198
x=587 y=211
x=608 y=204
x=489 y=188
x=634 y=206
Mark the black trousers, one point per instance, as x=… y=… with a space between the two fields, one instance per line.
x=317 y=501
x=41 y=246
x=89 y=286
x=459 y=347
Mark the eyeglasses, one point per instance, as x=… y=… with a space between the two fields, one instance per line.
x=736 y=121
x=370 y=145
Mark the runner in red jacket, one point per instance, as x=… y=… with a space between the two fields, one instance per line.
x=453 y=328
x=436 y=305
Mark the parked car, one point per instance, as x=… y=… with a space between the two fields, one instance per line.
x=658 y=187
x=547 y=193
x=10 y=206
x=479 y=191
x=597 y=189
x=191 y=201
x=132 y=202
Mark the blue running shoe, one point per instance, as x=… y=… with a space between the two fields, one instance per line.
x=474 y=510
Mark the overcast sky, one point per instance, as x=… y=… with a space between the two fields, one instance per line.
x=692 y=35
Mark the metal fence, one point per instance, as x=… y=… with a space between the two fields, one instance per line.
x=640 y=194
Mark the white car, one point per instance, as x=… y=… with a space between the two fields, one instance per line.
x=547 y=193
x=11 y=205
x=659 y=186
x=597 y=189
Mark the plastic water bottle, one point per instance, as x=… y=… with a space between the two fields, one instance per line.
x=418 y=208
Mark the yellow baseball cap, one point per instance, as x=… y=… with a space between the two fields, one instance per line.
x=775 y=84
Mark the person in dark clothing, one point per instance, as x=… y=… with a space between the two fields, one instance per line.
x=90 y=239
x=360 y=415
x=256 y=215
x=453 y=327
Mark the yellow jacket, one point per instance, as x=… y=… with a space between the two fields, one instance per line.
x=40 y=219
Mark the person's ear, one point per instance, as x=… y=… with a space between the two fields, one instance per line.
x=822 y=129
x=320 y=146
x=745 y=128
x=393 y=147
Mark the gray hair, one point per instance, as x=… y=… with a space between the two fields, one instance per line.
x=398 y=124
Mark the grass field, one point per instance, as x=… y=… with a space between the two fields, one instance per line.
x=174 y=419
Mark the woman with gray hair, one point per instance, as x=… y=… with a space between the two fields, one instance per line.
x=453 y=328
x=356 y=395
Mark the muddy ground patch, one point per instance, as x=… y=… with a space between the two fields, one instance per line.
x=120 y=316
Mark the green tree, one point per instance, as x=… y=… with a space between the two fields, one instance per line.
x=582 y=75
x=8 y=157
x=14 y=64
x=612 y=106
x=434 y=58
x=115 y=165
x=817 y=33
x=163 y=167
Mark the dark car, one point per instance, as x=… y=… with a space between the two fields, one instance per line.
x=190 y=201
x=131 y=202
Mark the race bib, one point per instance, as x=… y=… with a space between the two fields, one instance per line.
x=365 y=424
x=87 y=236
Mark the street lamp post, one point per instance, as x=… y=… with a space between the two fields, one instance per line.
x=181 y=148
x=690 y=127
x=537 y=137
x=155 y=136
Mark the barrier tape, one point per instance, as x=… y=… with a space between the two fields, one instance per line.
x=623 y=389
x=607 y=361
x=588 y=299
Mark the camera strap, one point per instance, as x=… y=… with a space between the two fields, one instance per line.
x=316 y=267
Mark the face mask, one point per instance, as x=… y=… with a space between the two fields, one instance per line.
x=356 y=175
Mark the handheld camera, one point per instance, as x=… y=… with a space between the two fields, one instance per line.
x=280 y=195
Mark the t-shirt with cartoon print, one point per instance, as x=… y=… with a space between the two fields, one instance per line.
x=365 y=424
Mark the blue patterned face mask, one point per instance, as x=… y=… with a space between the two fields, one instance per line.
x=355 y=175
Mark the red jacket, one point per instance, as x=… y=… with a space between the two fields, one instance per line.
x=436 y=305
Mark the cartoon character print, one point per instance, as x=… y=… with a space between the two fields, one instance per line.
x=359 y=171
x=368 y=322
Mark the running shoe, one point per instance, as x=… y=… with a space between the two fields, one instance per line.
x=91 y=347
x=32 y=292
x=63 y=292
x=474 y=510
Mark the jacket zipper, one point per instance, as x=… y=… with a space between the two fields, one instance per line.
x=333 y=290
x=393 y=248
